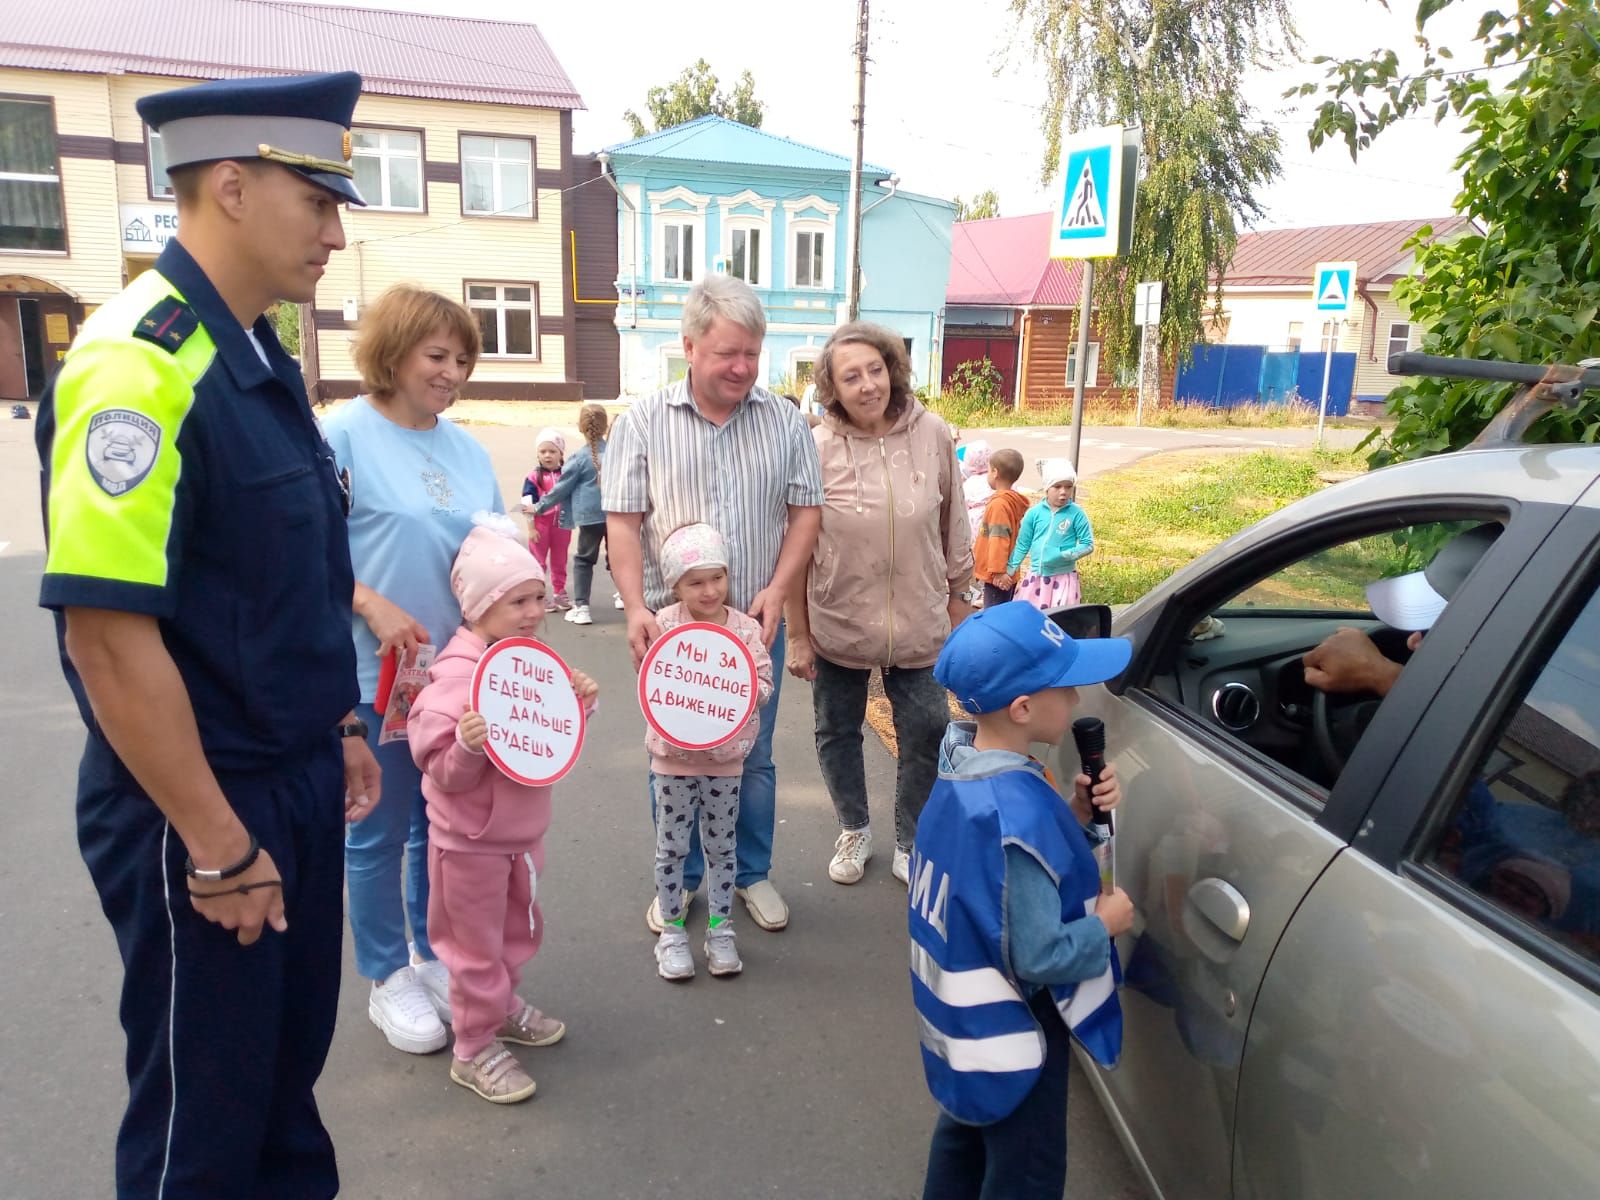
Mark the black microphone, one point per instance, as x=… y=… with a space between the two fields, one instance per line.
x=1090 y=735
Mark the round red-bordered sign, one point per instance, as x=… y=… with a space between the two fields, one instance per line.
x=709 y=675
x=536 y=721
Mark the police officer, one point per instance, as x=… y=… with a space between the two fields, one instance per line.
x=200 y=573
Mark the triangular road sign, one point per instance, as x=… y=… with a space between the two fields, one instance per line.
x=1333 y=291
x=1084 y=209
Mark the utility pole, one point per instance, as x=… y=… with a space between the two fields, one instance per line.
x=853 y=281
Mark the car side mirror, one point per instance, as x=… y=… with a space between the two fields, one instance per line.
x=1084 y=620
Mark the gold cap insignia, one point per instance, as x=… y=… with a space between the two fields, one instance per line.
x=347 y=145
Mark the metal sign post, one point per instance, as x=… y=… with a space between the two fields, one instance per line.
x=1331 y=289
x=1093 y=219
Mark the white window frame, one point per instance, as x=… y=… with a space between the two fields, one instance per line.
x=810 y=214
x=675 y=230
x=1405 y=340
x=153 y=149
x=1297 y=334
x=800 y=354
x=686 y=209
x=387 y=156
x=1093 y=381
x=670 y=354
x=498 y=206
x=20 y=177
x=1328 y=340
x=763 y=243
x=500 y=305
x=745 y=222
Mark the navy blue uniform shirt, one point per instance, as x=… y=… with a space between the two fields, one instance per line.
x=185 y=478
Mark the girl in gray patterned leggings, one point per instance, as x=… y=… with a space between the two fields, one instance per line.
x=701 y=782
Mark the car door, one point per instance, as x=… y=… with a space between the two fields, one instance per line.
x=1429 y=1025
x=1220 y=844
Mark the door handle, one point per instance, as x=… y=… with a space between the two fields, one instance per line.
x=1220 y=903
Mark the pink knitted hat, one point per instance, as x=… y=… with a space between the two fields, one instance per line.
x=552 y=437
x=491 y=562
x=688 y=548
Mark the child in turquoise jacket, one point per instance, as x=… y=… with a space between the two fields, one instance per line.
x=1055 y=534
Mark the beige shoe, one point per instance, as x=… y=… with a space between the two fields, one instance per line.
x=530 y=1027
x=766 y=907
x=652 y=915
x=494 y=1074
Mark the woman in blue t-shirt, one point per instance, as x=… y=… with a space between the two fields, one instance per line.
x=415 y=481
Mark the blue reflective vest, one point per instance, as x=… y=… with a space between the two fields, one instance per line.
x=982 y=1049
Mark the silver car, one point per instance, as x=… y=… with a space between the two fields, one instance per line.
x=1367 y=959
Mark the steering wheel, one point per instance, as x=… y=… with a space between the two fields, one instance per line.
x=1335 y=739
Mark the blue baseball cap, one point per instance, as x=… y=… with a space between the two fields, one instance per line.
x=1014 y=650
x=298 y=121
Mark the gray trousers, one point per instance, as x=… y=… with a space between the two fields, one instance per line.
x=921 y=715
x=679 y=799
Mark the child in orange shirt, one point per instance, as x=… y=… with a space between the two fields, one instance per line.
x=997 y=533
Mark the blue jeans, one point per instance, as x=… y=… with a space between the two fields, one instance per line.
x=373 y=849
x=1019 y=1157
x=758 y=798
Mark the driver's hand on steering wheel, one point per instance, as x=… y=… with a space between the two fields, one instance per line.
x=1348 y=661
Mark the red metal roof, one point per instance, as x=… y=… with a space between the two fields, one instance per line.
x=398 y=54
x=1288 y=257
x=1004 y=261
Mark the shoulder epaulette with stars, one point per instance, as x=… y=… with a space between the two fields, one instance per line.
x=169 y=324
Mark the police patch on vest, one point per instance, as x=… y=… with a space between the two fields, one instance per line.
x=121 y=449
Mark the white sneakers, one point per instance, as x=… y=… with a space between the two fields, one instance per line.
x=616 y=600
x=403 y=1009
x=850 y=855
x=434 y=977
x=578 y=614
x=902 y=865
x=673 y=960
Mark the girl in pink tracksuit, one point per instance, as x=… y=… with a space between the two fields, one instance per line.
x=547 y=541
x=486 y=832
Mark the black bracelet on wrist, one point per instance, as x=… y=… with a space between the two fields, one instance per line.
x=238 y=868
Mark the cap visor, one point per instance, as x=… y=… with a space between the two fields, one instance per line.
x=1405 y=602
x=344 y=188
x=1099 y=659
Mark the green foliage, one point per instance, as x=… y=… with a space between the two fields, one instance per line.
x=694 y=94
x=1173 y=67
x=983 y=206
x=285 y=319
x=1525 y=285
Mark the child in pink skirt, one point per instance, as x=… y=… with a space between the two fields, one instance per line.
x=1055 y=534
x=547 y=541
x=485 y=831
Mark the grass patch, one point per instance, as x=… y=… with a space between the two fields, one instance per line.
x=1161 y=513
x=967 y=410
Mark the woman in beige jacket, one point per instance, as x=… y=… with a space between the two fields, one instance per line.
x=887 y=581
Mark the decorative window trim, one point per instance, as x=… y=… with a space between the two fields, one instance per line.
x=661 y=216
x=1093 y=380
x=811 y=225
x=793 y=208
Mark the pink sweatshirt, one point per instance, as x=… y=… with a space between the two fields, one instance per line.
x=472 y=807
x=728 y=758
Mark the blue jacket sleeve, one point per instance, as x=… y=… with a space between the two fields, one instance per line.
x=578 y=466
x=1082 y=535
x=1025 y=535
x=1045 y=949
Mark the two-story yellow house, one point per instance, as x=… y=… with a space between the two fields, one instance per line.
x=462 y=145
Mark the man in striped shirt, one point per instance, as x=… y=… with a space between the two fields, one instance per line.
x=716 y=448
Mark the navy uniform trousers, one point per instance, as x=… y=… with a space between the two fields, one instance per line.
x=224 y=1041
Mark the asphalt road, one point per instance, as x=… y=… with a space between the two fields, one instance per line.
x=799 y=1079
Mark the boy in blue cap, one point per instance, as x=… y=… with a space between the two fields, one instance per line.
x=999 y=974
x=214 y=671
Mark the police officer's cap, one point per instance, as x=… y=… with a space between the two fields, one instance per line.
x=299 y=121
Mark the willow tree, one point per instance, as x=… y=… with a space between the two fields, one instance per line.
x=1173 y=68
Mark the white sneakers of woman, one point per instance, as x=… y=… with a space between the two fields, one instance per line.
x=850 y=855
x=434 y=977
x=402 y=1008
x=578 y=614
x=902 y=865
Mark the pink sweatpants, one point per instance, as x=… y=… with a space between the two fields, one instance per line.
x=550 y=551
x=484 y=924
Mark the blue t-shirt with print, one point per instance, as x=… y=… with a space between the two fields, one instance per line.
x=412 y=496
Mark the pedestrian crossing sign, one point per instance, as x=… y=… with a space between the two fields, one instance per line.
x=1332 y=286
x=1093 y=190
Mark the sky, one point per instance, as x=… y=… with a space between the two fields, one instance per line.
x=953 y=91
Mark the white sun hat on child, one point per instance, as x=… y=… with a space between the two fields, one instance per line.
x=550 y=437
x=1057 y=470
x=491 y=562
x=689 y=548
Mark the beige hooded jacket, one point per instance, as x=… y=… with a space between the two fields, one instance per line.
x=895 y=542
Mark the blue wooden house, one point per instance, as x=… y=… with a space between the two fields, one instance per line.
x=715 y=195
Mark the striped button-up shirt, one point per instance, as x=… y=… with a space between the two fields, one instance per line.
x=668 y=462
